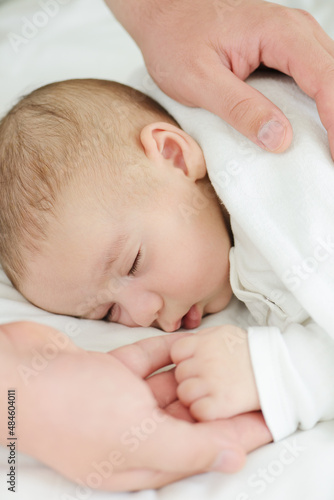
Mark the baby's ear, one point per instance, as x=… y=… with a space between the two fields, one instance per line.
x=165 y=143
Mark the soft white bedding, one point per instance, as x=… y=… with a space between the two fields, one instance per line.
x=79 y=38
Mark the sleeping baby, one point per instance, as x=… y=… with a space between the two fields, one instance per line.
x=107 y=212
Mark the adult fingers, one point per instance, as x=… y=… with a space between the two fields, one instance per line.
x=177 y=410
x=316 y=78
x=148 y=355
x=309 y=58
x=250 y=428
x=197 y=447
x=218 y=90
x=163 y=386
x=137 y=479
x=188 y=448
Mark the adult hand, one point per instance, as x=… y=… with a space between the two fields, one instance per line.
x=199 y=52
x=94 y=418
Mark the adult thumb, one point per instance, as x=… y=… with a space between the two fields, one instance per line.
x=243 y=107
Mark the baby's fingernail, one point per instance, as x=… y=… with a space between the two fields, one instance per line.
x=271 y=135
x=227 y=461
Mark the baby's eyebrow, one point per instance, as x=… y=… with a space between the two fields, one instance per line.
x=112 y=255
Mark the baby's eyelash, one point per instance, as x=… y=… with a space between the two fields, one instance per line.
x=132 y=272
x=108 y=316
x=134 y=267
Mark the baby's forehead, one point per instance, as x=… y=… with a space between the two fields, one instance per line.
x=92 y=197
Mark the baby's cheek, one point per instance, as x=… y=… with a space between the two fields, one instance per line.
x=123 y=317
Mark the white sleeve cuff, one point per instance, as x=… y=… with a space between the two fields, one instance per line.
x=279 y=385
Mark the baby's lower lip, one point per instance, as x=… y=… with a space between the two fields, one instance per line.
x=192 y=319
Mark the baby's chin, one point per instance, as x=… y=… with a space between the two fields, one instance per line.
x=219 y=303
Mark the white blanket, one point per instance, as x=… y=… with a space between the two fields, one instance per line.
x=81 y=39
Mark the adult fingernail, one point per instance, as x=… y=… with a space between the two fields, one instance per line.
x=271 y=135
x=227 y=461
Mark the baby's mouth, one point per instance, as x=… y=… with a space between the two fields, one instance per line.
x=192 y=319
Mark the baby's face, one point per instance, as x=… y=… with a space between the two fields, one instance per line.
x=159 y=262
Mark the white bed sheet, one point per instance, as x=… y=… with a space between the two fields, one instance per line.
x=79 y=39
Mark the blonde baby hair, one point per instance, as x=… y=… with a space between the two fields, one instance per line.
x=49 y=138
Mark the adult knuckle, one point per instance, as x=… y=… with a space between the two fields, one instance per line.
x=324 y=80
x=298 y=19
x=277 y=10
x=304 y=14
x=286 y=20
x=242 y=110
x=329 y=70
x=275 y=15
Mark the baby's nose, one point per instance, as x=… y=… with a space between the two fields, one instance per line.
x=144 y=307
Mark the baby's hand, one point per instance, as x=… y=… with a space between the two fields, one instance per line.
x=215 y=374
